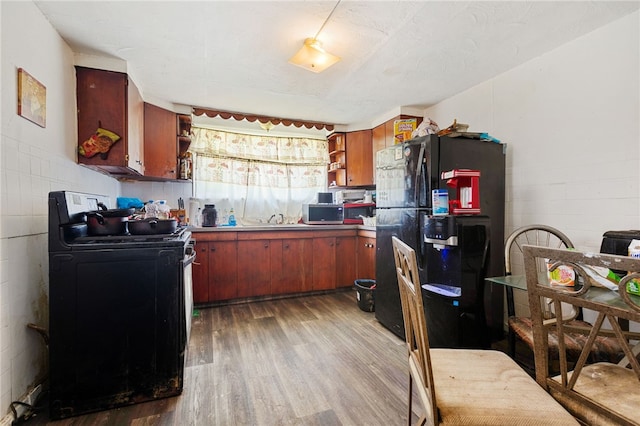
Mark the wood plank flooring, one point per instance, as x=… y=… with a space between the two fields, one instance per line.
x=310 y=360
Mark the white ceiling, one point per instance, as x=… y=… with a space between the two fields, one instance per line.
x=232 y=55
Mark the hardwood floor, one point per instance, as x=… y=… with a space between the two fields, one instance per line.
x=311 y=360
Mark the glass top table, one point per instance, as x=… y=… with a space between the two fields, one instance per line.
x=600 y=295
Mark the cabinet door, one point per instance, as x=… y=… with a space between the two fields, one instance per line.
x=135 y=128
x=346 y=268
x=294 y=272
x=200 y=271
x=254 y=277
x=359 y=158
x=324 y=263
x=223 y=270
x=366 y=252
x=102 y=102
x=160 y=146
x=378 y=139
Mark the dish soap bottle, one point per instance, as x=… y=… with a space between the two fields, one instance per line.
x=232 y=218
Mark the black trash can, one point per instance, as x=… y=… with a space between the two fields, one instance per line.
x=365 y=294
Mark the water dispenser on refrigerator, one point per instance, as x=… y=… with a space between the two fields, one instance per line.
x=456 y=249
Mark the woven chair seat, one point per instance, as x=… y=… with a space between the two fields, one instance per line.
x=608 y=384
x=605 y=349
x=481 y=387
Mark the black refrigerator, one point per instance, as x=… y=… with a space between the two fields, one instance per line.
x=405 y=175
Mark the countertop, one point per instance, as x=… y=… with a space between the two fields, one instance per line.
x=288 y=227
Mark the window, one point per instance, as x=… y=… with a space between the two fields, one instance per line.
x=257 y=176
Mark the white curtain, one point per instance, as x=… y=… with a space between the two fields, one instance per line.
x=260 y=177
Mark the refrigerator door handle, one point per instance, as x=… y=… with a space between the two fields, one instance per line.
x=420 y=176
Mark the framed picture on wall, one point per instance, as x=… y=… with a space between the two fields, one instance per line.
x=32 y=98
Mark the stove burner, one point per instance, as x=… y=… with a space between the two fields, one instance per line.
x=129 y=238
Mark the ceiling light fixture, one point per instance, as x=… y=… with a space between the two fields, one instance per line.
x=312 y=56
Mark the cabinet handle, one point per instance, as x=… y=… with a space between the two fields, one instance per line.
x=197 y=263
x=213 y=249
x=286 y=246
x=266 y=246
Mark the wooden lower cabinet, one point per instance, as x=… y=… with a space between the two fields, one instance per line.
x=223 y=270
x=324 y=263
x=254 y=275
x=366 y=252
x=234 y=265
x=346 y=267
x=200 y=272
x=215 y=271
x=292 y=266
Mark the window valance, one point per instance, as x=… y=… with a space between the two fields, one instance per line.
x=216 y=143
x=261 y=118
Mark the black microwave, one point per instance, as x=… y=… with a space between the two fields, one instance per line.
x=353 y=212
x=322 y=214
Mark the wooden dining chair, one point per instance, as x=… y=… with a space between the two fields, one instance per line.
x=520 y=327
x=465 y=386
x=601 y=393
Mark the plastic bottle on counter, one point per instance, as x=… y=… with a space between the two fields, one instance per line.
x=164 y=211
x=197 y=220
x=150 y=209
x=232 y=218
x=224 y=220
x=209 y=215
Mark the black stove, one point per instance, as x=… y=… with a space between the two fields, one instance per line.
x=119 y=311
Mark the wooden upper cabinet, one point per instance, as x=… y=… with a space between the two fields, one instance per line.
x=382 y=136
x=111 y=101
x=379 y=137
x=160 y=146
x=359 y=161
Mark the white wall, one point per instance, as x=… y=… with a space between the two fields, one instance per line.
x=34 y=161
x=571 y=119
x=169 y=191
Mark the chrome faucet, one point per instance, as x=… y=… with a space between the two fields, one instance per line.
x=272 y=216
x=281 y=219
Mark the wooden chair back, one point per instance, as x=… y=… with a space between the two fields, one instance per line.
x=603 y=392
x=474 y=386
x=535 y=235
x=416 y=336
